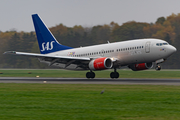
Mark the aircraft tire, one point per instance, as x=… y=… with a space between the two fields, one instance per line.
x=158 y=67
x=114 y=75
x=90 y=75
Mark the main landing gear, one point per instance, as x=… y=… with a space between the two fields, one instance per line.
x=112 y=75
x=90 y=74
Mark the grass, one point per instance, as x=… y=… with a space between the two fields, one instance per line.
x=84 y=102
x=81 y=74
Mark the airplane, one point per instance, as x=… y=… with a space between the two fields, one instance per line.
x=139 y=54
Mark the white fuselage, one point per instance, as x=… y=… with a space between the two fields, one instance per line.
x=125 y=53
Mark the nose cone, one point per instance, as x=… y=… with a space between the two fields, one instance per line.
x=172 y=49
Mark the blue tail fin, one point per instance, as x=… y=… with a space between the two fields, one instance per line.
x=47 y=42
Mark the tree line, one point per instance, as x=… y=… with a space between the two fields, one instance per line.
x=167 y=29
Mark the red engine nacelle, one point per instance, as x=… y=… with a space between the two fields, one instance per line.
x=100 y=64
x=141 y=66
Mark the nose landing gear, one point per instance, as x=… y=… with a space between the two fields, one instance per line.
x=158 y=67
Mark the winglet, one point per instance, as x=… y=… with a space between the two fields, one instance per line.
x=47 y=42
x=10 y=52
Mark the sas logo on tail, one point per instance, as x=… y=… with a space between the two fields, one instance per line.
x=47 y=46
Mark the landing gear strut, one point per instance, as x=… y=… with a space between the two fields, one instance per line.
x=90 y=74
x=158 y=67
x=114 y=74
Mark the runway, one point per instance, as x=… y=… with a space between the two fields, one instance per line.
x=136 y=81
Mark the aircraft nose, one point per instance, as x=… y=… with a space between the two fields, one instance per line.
x=172 y=49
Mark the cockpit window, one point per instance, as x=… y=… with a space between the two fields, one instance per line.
x=160 y=44
x=165 y=43
x=157 y=44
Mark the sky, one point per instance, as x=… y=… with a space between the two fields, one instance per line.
x=16 y=14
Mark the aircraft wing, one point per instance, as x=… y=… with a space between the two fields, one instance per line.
x=67 y=60
x=44 y=55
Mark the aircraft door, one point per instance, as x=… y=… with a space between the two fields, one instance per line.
x=147 y=47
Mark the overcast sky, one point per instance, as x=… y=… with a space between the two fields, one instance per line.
x=16 y=14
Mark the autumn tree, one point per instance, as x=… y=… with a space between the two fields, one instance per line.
x=160 y=20
x=128 y=31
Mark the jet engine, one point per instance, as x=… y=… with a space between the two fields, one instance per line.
x=100 y=64
x=141 y=66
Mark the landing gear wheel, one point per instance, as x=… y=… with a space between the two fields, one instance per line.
x=158 y=67
x=90 y=75
x=114 y=75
